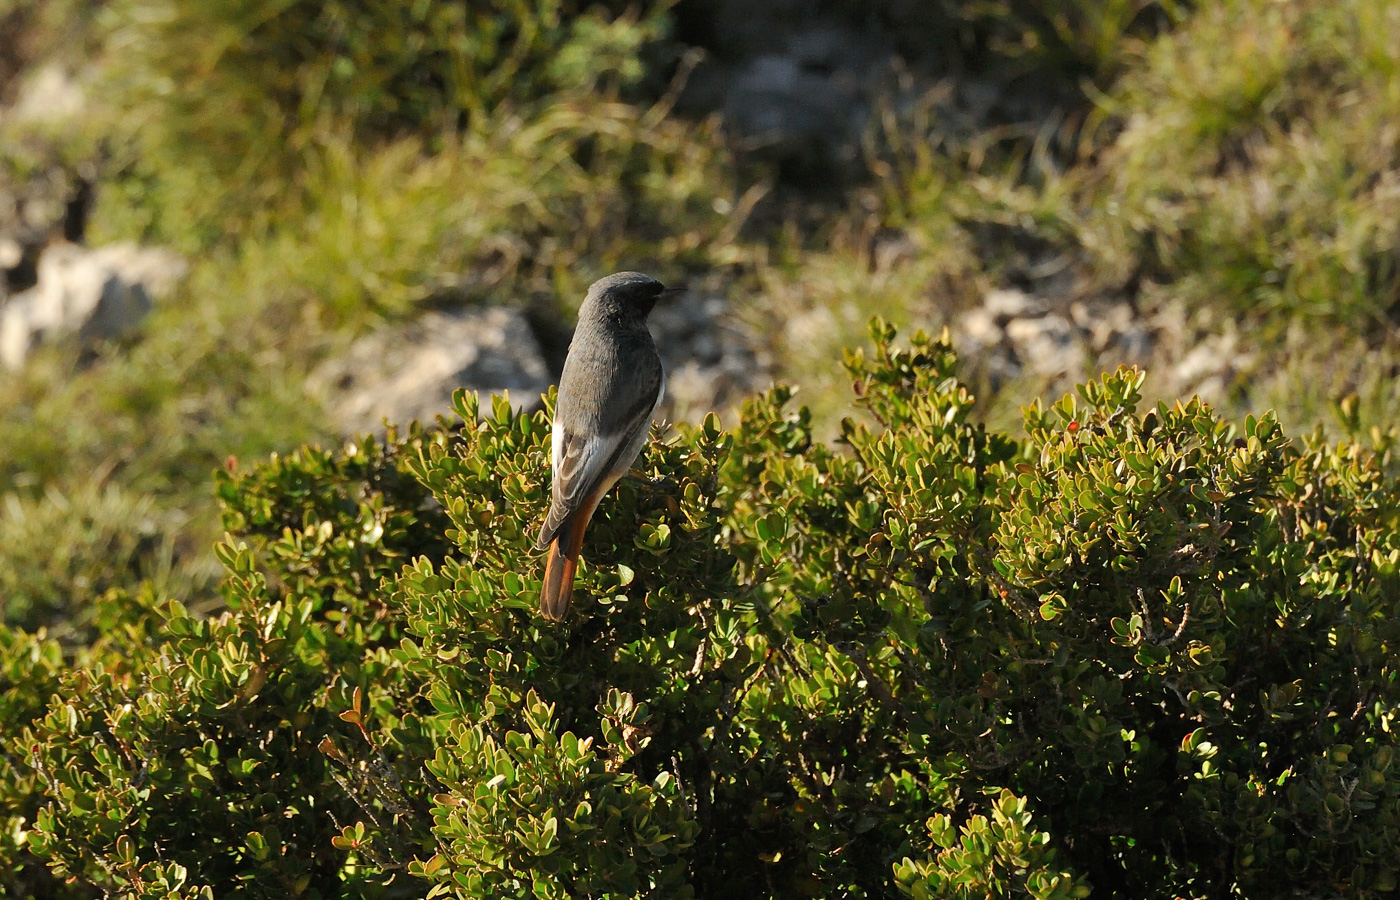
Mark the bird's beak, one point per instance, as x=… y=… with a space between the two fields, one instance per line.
x=669 y=292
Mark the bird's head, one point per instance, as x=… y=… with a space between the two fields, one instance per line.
x=629 y=292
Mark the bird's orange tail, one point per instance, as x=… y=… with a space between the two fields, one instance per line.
x=563 y=562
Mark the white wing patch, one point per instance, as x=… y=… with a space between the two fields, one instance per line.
x=557 y=445
x=579 y=466
x=587 y=463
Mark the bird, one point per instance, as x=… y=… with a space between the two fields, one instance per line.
x=612 y=382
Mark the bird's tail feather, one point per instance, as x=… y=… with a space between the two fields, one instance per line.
x=559 y=570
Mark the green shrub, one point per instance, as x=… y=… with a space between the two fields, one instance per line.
x=1143 y=653
x=547 y=780
x=30 y=669
x=225 y=725
x=202 y=745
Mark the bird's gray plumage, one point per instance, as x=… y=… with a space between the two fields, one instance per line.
x=611 y=384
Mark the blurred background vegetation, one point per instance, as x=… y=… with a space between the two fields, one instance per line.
x=327 y=166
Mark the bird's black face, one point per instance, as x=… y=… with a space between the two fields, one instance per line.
x=640 y=295
x=632 y=291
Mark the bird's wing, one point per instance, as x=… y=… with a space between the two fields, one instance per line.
x=588 y=462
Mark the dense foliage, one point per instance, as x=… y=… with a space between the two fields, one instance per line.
x=1138 y=649
x=319 y=181
x=1145 y=653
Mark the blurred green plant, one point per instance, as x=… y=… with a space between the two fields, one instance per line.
x=104 y=472
x=1248 y=168
x=62 y=552
x=508 y=206
x=1234 y=164
x=1067 y=39
x=222 y=106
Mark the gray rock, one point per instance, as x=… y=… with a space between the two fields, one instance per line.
x=1007 y=334
x=1014 y=333
x=979 y=97
x=48 y=195
x=409 y=371
x=894 y=249
x=802 y=82
x=712 y=361
x=1210 y=367
x=1115 y=330
x=50 y=94
x=779 y=105
x=1049 y=345
x=96 y=294
x=1010 y=303
x=1062 y=340
x=808 y=95
x=978 y=329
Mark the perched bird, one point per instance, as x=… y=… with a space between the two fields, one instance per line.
x=612 y=383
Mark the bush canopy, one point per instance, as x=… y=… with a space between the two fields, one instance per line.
x=1143 y=653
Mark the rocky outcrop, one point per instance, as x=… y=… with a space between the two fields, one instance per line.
x=406 y=371
x=96 y=294
x=49 y=94
x=711 y=360
x=808 y=85
x=809 y=99
x=1015 y=334
x=50 y=195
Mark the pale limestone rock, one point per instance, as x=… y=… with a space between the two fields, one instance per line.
x=402 y=372
x=95 y=293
